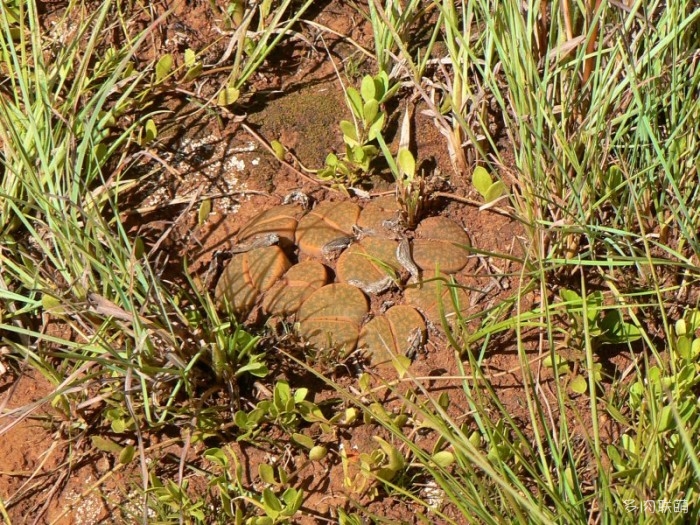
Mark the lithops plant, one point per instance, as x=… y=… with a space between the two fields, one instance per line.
x=379 y=215
x=280 y=221
x=331 y=316
x=295 y=287
x=248 y=275
x=434 y=293
x=370 y=264
x=440 y=244
x=400 y=331
x=327 y=223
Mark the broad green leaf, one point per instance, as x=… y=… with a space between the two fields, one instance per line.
x=218 y=456
x=475 y=439
x=105 y=445
x=273 y=506
x=349 y=133
x=443 y=459
x=163 y=67
x=376 y=128
x=228 y=96
x=401 y=364
x=355 y=102
x=332 y=160
x=293 y=499
x=570 y=296
x=255 y=368
x=300 y=394
x=204 y=211
x=139 y=248
x=666 y=420
x=370 y=111
x=694 y=320
x=562 y=365
x=317 y=453
x=695 y=348
x=190 y=57
x=51 y=304
x=267 y=474
x=496 y=190
x=481 y=180
x=151 y=131
x=303 y=440
x=578 y=384
x=193 y=72
x=381 y=87
x=278 y=148
x=368 y=89
x=406 y=164
x=127 y=454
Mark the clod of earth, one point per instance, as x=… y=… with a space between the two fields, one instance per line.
x=248 y=275
x=400 y=331
x=440 y=244
x=378 y=213
x=331 y=316
x=280 y=220
x=326 y=223
x=370 y=261
x=295 y=287
x=432 y=293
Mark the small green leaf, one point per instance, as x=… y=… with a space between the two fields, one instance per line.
x=163 y=67
x=370 y=110
x=303 y=440
x=349 y=133
x=368 y=88
x=317 y=453
x=562 y=364
x=355 y=102
x=350 y=416
x=293 y=499
x=496 y=190
x=271 y=502
x=267 y=474
x=481 y=180
x=278 y=148
x=52 y=304
x=193 y=72
x=190 y=57
x=578 y=385
x=680 y=327
x=127 y=454
x=105 y=445
x=376 y=128
x=401 y=364
x=695 y=348
x=228 y=96
x=204 y=211
x=443 y=459
x=569 y=296
x=694 y=320
x=475 y=439
x=406 y=164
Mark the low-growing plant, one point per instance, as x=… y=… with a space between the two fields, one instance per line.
x=286 y=409
x=358 y=135
x=410 y=186
x=272 y=507
x=656 y=455
x=489 y=189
